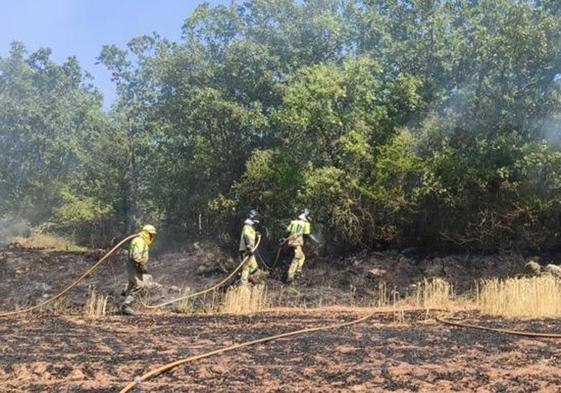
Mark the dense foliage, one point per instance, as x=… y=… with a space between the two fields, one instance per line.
x=398 y=123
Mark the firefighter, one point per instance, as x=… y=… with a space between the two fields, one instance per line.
x=248 y=241
x=296 y=231
x=137 y=267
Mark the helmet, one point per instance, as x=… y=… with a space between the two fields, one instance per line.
x=305 y=215
x=253 y=215
x=149 y=228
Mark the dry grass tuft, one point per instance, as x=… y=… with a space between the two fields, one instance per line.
x=96 y=304
x=434 y=293
x=429 y=293
x=533 y=297
x=184 y=306
x=385 y=297
x=245 y=299
x=46 y=241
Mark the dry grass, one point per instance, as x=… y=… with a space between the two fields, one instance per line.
x=46 y=241
x=96 y=304
x=429 y=293
x=534 y=297
x=434 y=293
x=385 y=297
x=184 y=306
x=245 y=299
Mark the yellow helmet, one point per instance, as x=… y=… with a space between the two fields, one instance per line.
x=149 y=228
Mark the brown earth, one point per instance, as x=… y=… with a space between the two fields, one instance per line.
x=27 y=276
x=50 y=353
x=60 y=350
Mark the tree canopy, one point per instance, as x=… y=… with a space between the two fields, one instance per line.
x=397 y=123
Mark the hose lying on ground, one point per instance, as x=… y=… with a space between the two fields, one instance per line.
x=279 y=251
x=169 y=366
x=202 y=292
x=496 y=330
x=73 y=284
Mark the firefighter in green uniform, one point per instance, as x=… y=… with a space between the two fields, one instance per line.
x=248 y=242
x=297 y=230
x=137 y=266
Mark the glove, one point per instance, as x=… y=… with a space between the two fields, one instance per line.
x=250 y=251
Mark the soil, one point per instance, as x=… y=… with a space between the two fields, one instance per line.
x=61 y=350
x=27 y=276
x=53 y=353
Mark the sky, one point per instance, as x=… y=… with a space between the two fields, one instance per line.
x=82 y=27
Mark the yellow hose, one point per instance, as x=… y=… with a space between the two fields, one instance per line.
x=169 y=366
x=279 y=251
x=500 y=331
x=72 y=285
x=202 y=292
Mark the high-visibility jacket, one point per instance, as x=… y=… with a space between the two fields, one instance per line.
x=139 y=249
x=296 y=231
x=248 y=237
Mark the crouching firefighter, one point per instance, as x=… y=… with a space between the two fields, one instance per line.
x=248 y=244
x=296 y=231
x=137 y=267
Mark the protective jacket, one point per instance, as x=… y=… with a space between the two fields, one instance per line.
x=297 y=229
x=249 y=235
x=139 y=249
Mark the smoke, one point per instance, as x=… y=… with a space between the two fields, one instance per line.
x=550 y=130
x=455 y=103
x=10 y=227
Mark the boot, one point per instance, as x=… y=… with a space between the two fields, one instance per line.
x=126 y=310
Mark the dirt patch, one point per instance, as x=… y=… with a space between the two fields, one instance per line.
x=28 y=276
x=63 y=354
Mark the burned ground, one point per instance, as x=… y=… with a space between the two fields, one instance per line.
x=409 y=353
x=27 y=276
x=60 y=350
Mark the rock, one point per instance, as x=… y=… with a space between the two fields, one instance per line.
x=376 y=272
x=553 y=269
x=533 y=268
x=149 y=281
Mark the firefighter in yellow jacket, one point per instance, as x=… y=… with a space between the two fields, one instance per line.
x=137 y=266
x=248 y=244
x=297 y=230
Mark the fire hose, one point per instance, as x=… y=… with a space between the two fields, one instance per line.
x=279 y=251
x=497 y=330
x=166 y=367
x=169 y=366
x=73 y=284
x=207 y=290
x=102 y=260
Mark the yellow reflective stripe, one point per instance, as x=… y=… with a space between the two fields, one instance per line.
x=298 y=227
